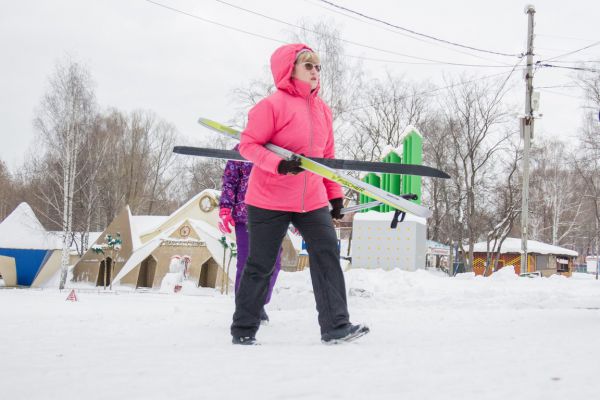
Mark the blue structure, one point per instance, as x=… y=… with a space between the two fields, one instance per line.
x=23 y=238
x=28 y=263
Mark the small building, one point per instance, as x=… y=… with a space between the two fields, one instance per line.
x=31 y=255
x=376 y=245
x=149 y=244
x=544 y=258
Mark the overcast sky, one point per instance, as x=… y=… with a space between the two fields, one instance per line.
x=143 y=56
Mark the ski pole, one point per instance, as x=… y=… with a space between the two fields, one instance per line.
x=232 y=252
x=359 y=207
x=223 y=242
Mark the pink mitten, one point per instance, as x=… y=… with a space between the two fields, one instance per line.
x=226 y=221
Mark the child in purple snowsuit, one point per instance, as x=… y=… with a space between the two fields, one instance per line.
x=233 y=212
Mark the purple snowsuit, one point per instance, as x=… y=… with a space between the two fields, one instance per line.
x=233 y=191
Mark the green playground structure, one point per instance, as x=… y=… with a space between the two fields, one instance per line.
x=412 y=153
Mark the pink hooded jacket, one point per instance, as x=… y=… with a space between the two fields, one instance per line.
x=296 y=119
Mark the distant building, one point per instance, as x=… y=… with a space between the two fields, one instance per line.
x=542 y=257
x=30 y=255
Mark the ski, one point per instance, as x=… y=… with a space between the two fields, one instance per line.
x=335 y=163
x=397 y=202
x=359 y=207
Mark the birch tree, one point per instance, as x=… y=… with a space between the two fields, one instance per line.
x=555 y=203
x=63 y=121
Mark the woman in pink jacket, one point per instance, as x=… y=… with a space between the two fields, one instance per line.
x=280 y=193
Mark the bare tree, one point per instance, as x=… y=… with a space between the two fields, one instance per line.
x=163 y=137
x=87 y=202
x=506 y=207
x=587 y=160
x=247 y=96
x=63 y=121
x=138 y=162
x=478 y=129
x=388 y=107
x=111 y=180
x=555 y=204
x=588 y=167
x=5 y=184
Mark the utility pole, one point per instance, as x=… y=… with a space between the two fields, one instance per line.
x=527 y=131
x=597 y=249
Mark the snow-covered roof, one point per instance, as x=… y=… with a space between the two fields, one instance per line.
x=409 y=129
x=22 y=230
x=513 y=245
x=389 y=149
x=400 y=149
x=137 y=257
x=145 y=223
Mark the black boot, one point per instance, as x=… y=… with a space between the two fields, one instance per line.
x=346 y=333
x=244 y=340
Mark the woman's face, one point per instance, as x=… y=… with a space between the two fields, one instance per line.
x=307 y=72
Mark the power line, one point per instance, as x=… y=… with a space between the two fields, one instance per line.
x=353 y=109
x=395 y=31
x=573 y=52
x=560 y=94
x=557 y=86
x=286 y=42
x=420 y=34
x=539 y=63
x=356 y=43
x=576 y=61
x=426 y=63
x=564 y=37
x=432 y=62
x=215 y=23
x=427 y=92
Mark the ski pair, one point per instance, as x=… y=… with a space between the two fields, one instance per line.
x=397 y=202
x=335 y=163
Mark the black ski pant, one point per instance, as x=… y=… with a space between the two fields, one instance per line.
x=266 y=229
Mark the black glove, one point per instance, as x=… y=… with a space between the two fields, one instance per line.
x=289 y=167
x=336 y=208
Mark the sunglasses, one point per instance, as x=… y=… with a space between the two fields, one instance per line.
x=309 y=66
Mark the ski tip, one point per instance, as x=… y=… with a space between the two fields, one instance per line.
x=181 y=150
x=219 y=128
x=433 y=172
x=204 y=121
x=209 y=123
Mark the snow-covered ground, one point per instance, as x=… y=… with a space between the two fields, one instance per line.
x=432 y=337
